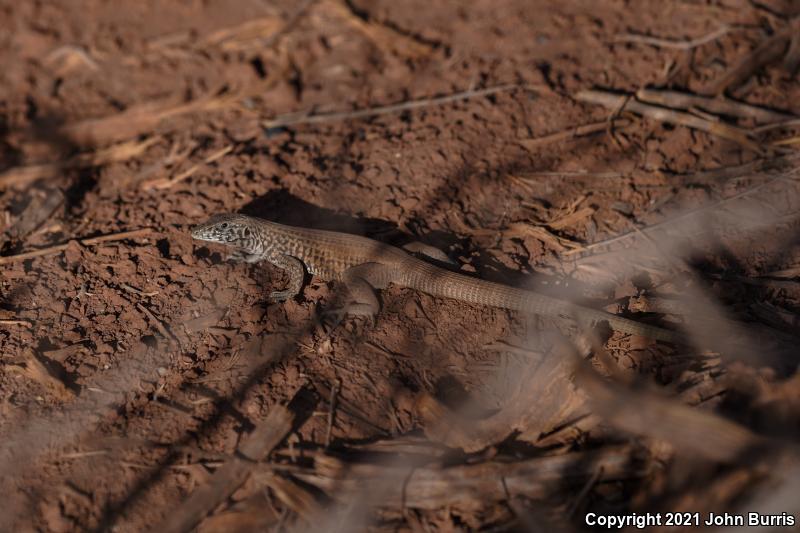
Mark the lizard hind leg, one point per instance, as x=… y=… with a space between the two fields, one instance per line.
x=360 y=300
x=361 y=281
x=432 y=252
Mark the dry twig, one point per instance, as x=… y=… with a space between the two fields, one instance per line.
x=385 y=36
x=572 y=133
x=332 y=411
x=124 y=151
x=16 y=322
x=670 y=116
x=577 y=174
x=524 y=229
x=52 y=250
x=159 y=325
x=141 y=119
x=770 y=50
x=293 y=119
x=722 y=106
x=165 y=183
x=674 y=43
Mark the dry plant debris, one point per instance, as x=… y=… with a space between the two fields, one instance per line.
x=638 y=158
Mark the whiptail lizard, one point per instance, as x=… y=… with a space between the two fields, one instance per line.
x=365 y=265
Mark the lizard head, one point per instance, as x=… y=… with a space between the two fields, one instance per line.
x=234 y=230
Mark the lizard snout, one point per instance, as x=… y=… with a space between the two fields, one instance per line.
x=203 y=233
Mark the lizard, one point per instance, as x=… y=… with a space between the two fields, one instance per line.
x=366 y=265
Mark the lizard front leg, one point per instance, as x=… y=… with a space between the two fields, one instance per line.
x=241 y=256
x=296 y=270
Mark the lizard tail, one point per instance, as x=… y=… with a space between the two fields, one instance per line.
x=438 y=282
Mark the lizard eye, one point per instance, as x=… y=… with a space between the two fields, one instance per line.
x=224 y=225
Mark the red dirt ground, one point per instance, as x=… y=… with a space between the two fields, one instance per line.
x=135 y=369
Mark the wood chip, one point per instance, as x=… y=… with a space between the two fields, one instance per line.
x=769 y=51
x=254 y=447
x=468 y=486
x=572 y=218
x=543 y=398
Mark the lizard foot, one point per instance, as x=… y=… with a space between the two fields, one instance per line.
x=282 y=296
